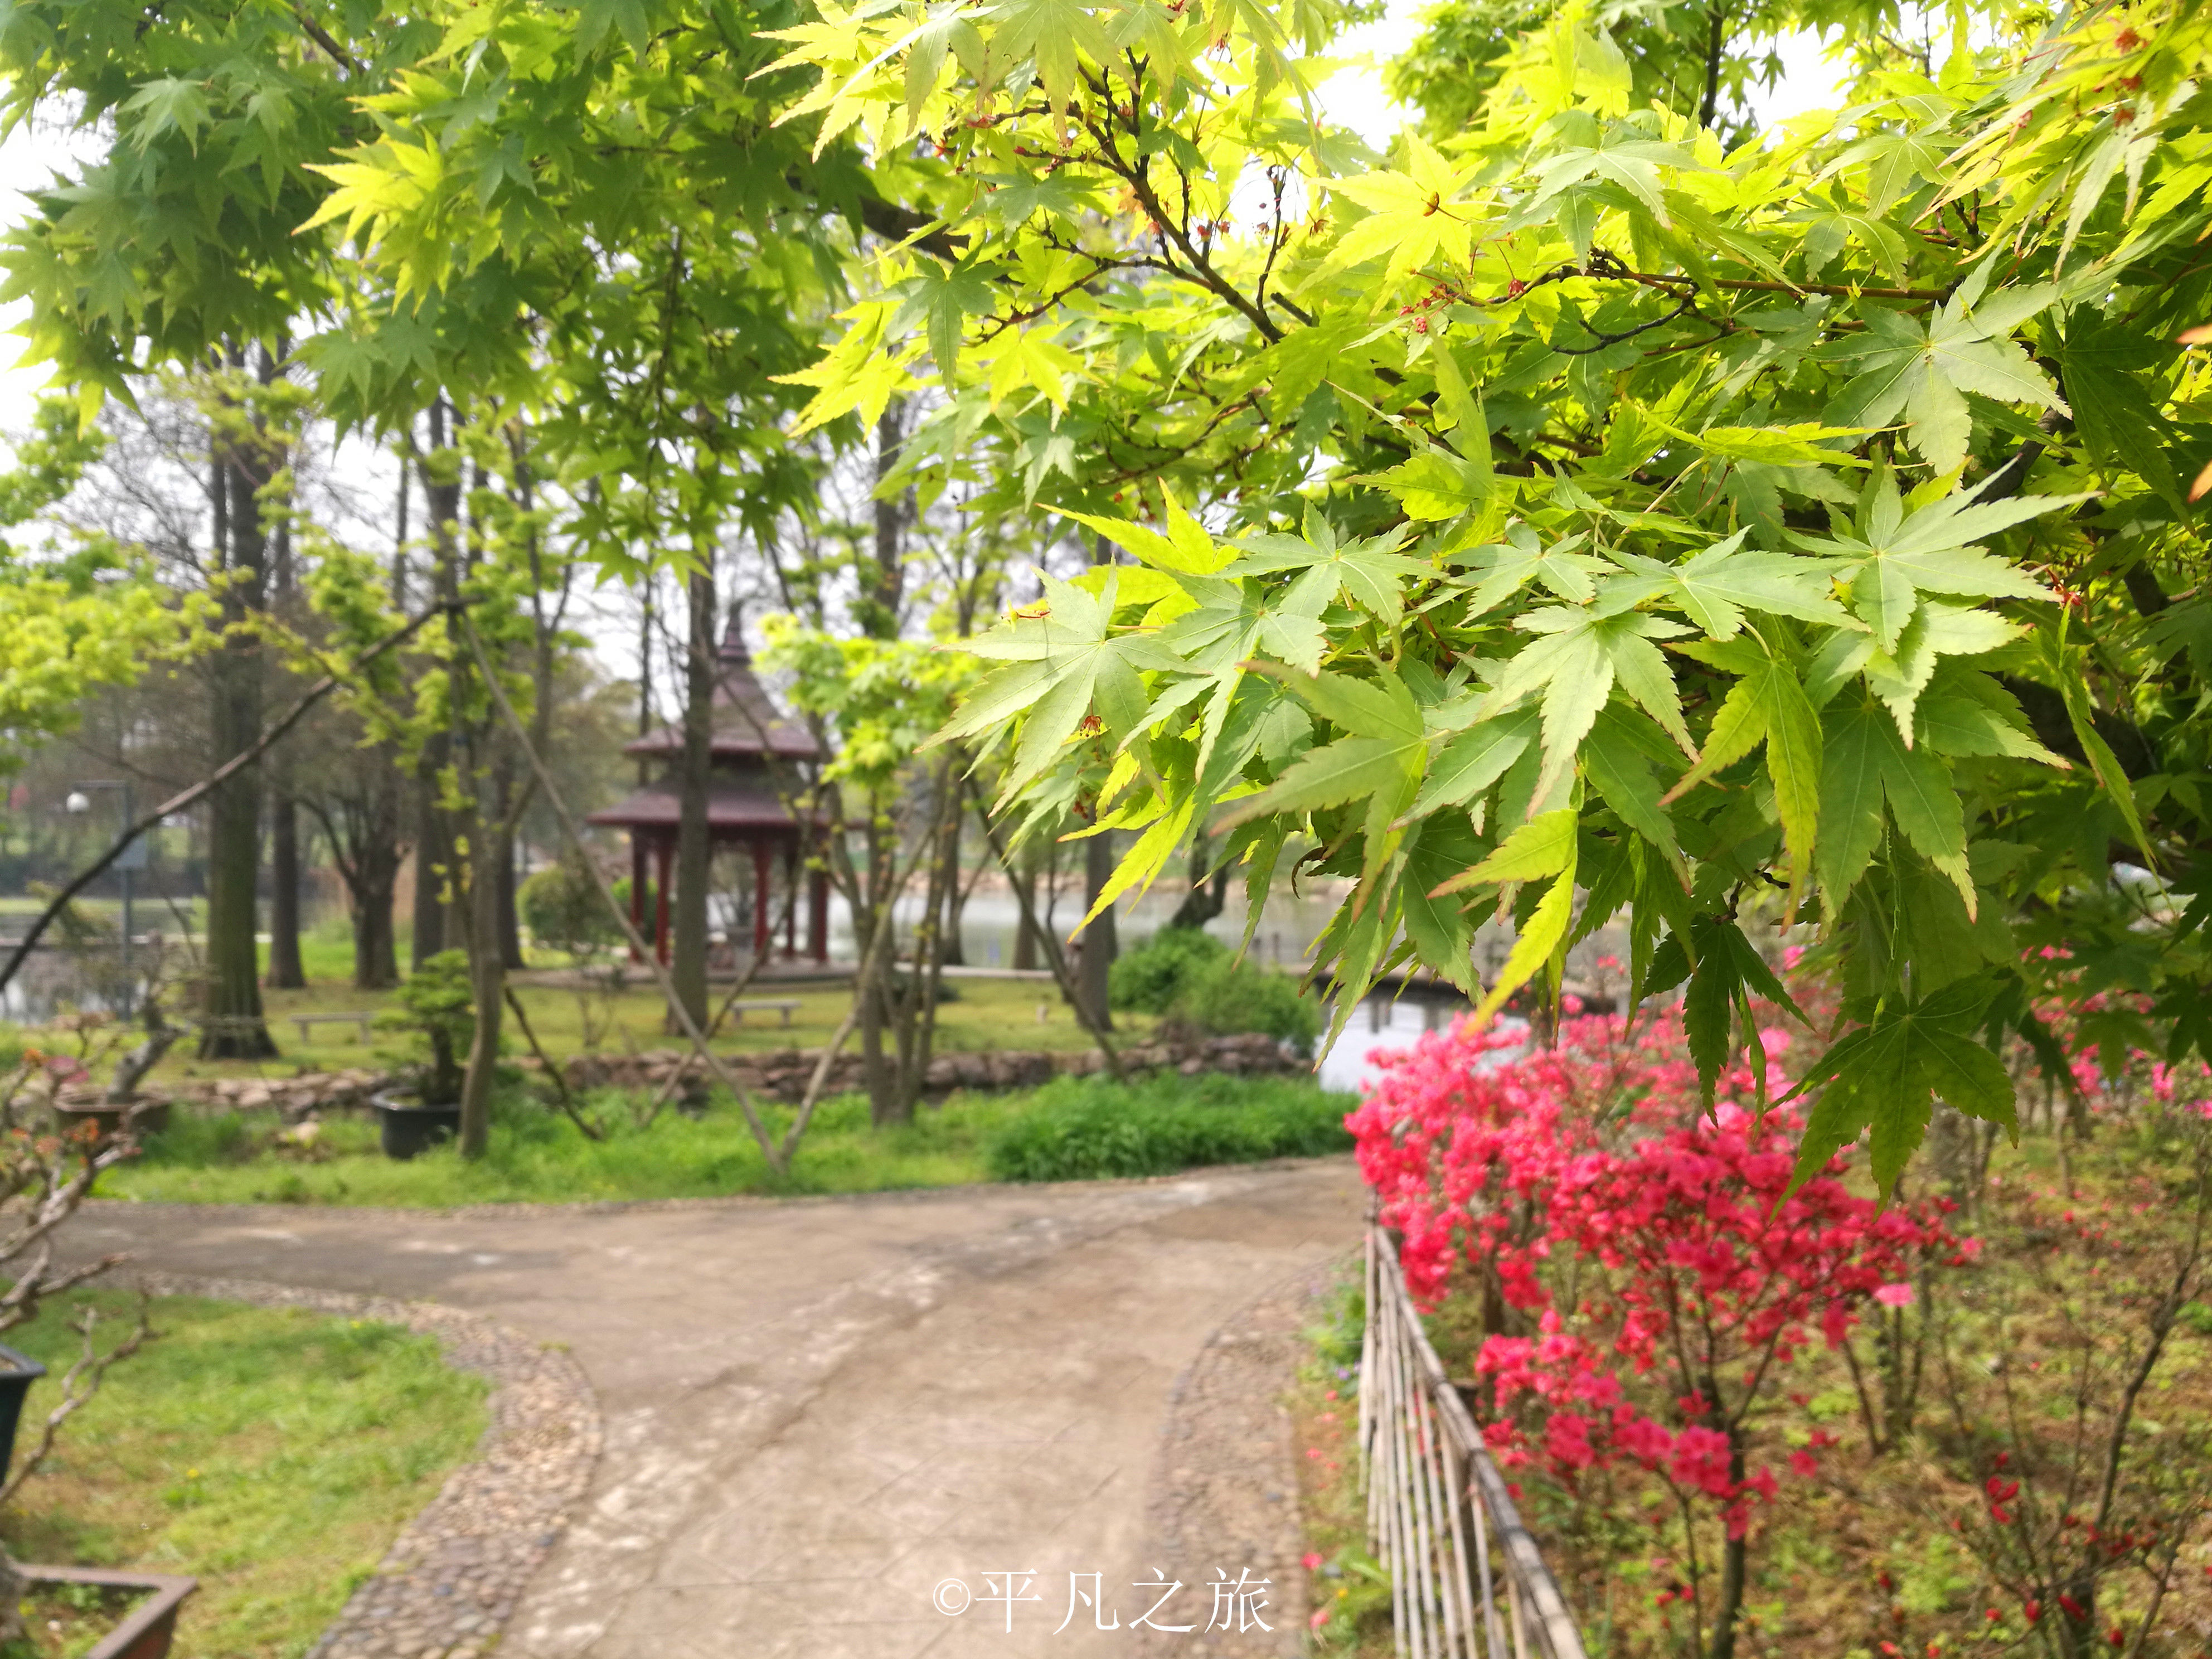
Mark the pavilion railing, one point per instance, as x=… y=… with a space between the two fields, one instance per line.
x=1466 y=1580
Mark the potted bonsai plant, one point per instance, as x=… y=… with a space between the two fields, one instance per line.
x=436 y=1007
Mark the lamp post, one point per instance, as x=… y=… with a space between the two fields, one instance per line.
x=133 y=858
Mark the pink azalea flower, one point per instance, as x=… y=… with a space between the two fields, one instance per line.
x=1894 y=1296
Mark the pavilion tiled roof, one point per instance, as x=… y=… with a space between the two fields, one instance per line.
x=746 y=722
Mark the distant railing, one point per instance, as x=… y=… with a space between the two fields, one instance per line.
x=1466 y=1580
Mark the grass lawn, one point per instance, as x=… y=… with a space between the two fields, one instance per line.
x=273 y=1454
x=983 y=1015
x=986 y=1014
x=1047 y=1134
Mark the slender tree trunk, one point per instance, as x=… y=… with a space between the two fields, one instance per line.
x=510 y=919
x=433 y=861
x=917 y=1006
x=1733 y=1559
x=286 y=970
x=1715 y=40
x=1097 y=939
x=1209 y=894
x=882 y=586
x=437 y=876
x=686 y=962
x=950 y=952
x=486 y=968
x=1029 y=954
x=872 y=984
x=235 y=1030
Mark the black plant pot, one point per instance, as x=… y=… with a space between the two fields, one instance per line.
x=407 y=1127
x=20 y=1371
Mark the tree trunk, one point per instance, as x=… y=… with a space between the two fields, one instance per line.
x=1733 y=1559
x=433 y=861
x=1029 y=954
x=871 y=985
x=487 y=974
x=437 y=876
x=687 y=961
x=1208 y=896
x=883 y=586
x=375 y=950
x=1097 y=939
x=234 y=1028
x=510 y=919
x=286 y=971
x=950 y=952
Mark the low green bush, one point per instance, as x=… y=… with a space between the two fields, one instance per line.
x=1093 y=1128
x=1148 y=979
x=1228 y=996
x=1191 y=977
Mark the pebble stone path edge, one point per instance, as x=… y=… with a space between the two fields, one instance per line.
x=452 y=1578
x=1225 y=1493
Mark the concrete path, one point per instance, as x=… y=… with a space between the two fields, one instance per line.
x=818 y=1413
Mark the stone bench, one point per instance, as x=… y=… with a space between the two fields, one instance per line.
x=362 y=1020
x=785 y=1005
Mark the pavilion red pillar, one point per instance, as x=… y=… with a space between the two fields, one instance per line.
x=763 y=866
x=664 y=854
x=818 y=915
x=791 y=888
x=637 y=884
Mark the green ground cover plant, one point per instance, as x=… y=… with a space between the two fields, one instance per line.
x=271 y=1453
x=1090 y=1128
x=1071 y=1129
x=1197 y=984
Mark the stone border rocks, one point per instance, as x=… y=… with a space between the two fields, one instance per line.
x=295 y=1098
x=1225 y=1490
x=451 y=1580
x=784 y=1073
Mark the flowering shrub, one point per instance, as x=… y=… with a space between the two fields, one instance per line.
x=1646 y=1274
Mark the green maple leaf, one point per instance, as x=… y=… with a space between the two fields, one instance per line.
x=1442 y=929
x=1547 y=845
x=596 y=17
x=1475 y=759
x=1435 y=484
x=1924 y=370
x=1714 y=587
x=1061 y=660
x=1768 y=705
x=171 y=104
x=943 y=298
x=1370 y=573
x=1051 y=33
x=1884 y=1077
x=1894 y=161
x=1865 y=767
x=1892 y=558
x=1413 y=216
x=1827 y=229
x=1576 y=664
x=1379 y=761
x=1503 y=568
x=1633 y=165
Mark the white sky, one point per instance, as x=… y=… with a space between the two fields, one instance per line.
x=1355 y=96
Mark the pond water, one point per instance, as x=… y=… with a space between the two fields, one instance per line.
x=1383 y=1025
